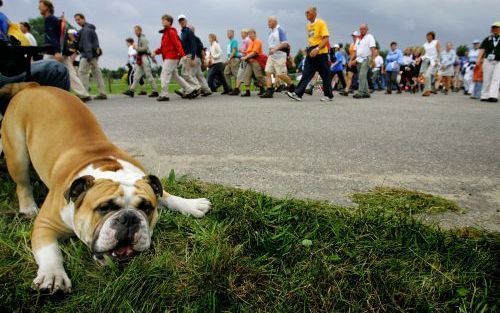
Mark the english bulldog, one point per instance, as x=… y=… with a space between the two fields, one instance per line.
x=96 y=191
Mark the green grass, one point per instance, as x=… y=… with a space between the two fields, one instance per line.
x=118 y=86
x=404 y=201
x=256 y=253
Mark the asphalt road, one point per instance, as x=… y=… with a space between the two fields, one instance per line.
x=446 y=145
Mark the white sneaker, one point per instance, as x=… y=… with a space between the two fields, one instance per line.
x=293 y=96
x=326 y=99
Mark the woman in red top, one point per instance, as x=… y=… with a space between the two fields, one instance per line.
x=171 y=51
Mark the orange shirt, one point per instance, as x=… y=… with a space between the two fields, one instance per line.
x=255 y=46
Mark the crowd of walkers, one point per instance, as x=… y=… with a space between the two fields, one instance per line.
x=358 y=69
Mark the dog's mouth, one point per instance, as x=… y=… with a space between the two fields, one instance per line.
x=120 y=253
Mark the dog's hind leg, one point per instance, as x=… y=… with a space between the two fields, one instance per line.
x=18 y=164
x=195 y=207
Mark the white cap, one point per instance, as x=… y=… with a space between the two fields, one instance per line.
x=476 y=41
x=72 y=31
x=355 y=33
x=336 y=45
x=181 y=17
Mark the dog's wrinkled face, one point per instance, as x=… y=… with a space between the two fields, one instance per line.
x=114 y=218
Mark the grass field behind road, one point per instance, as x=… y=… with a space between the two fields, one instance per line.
x=255 y=253
x=118 y=86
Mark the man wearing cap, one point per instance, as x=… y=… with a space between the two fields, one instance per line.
x=365 y=48
x=69 y=52
x=469 y=67
x=317 y=57
x=189 y=46
x=489 y=58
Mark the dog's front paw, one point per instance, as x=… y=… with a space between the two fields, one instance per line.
x=202 y=206
x=29 y=212
x=52 y=281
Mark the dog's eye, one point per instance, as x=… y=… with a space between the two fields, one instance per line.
x=105 y=209
x=145 y=207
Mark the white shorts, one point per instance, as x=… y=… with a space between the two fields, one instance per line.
x=276 y=66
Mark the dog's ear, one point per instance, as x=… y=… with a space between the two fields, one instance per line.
x=155 y=183
x=8 y=91
x=78 y=188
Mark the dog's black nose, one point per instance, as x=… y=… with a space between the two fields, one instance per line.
x=126 y=225
x=128 y=219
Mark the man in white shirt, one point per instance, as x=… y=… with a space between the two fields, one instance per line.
x=26 y=28
x=276 y=62
x=365 y=48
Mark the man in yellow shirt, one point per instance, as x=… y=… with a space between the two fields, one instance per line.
x=316 y=57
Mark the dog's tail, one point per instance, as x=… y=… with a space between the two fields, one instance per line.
x=8 y=91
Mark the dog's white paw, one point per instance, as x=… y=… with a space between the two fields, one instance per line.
x=52 y=281
x=204 y=205
x=29 y=212
x=195 y=207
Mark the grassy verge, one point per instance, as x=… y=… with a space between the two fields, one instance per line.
x=257 y=253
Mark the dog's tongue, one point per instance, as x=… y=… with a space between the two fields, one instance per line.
x=124 y=251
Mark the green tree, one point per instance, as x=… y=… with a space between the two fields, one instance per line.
x=38 y=29
x=462 y=50
x=298 y=57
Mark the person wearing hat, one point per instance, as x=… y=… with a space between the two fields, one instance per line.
x=469 y=67
x=351 y=69
x=337 y=67
x=69 y=53
x=489 y=59
x=189 y=45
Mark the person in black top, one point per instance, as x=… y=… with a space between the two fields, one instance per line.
x=52 y=30
x=63 y=49
x=90 y=51
x=188 y=40
x=198 y=71
x=489 y=58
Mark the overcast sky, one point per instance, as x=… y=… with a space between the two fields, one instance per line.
x=403 y=21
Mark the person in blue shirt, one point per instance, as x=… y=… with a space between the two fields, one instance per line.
x=337 y=67
x=393 y=62
x=233 y=60
x=4 y=24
